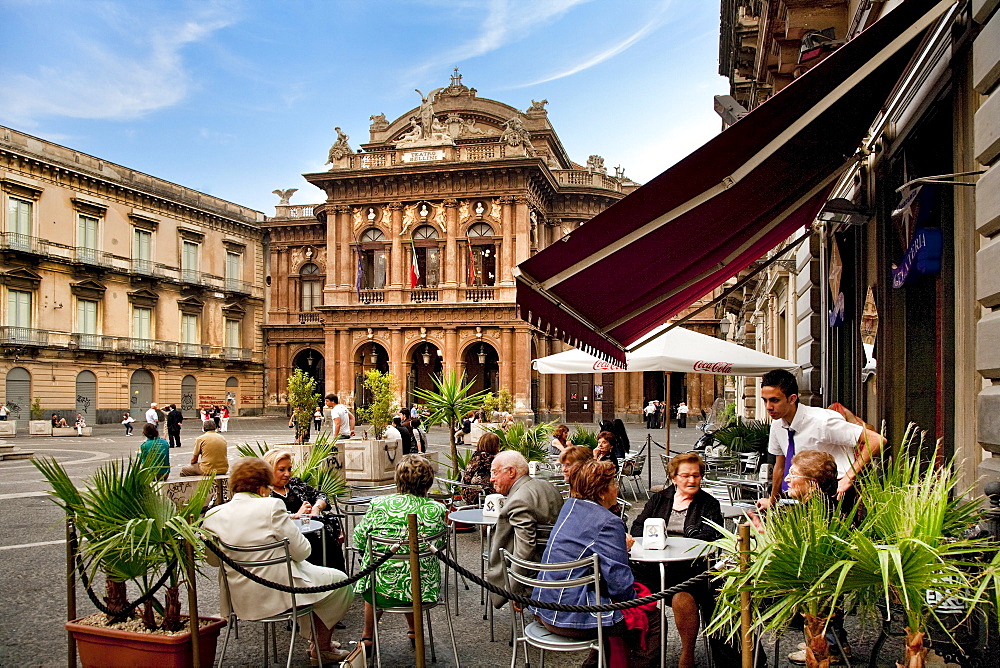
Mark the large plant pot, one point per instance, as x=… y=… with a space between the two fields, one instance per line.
x=39 y=428
x=371 y=462
x=113 y=648
x=477 y=431
x=8 y=428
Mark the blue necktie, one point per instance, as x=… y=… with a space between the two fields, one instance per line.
x=789 y=453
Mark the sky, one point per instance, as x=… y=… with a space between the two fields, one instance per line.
x=237 y=98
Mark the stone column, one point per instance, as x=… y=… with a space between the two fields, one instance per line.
x=507 y=248
x=395 y=265
x=451 y=360
x=345 y=382
x=341 y=250
x=508 y=358
x=396 y=355
x=521 y=372
x=281 y=261
x=449 y=263
x=522 y=230
x=330 y=355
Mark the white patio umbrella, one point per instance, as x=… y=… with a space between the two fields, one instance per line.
x=679 y=350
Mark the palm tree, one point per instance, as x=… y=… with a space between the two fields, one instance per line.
x=313 y=470
x=532 y=442
x=450 y=400
x=130 y=531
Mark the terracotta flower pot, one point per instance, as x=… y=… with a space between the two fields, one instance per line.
x=113 y=648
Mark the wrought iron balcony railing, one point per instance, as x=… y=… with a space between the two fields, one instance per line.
x=23 y=243
x=192 y=276
x=193 y=350
x=237 y=354
x=144 y=267
x=23 y=336
x=239 y=287
x=91 y=341
x=92 y=257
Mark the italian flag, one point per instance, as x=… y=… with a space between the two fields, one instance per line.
x=414 y=268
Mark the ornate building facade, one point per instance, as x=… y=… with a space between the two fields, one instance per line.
x=120 y=289
x=406 y=265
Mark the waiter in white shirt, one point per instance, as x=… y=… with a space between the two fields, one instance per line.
x=795 y=428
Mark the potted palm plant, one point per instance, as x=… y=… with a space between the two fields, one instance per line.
x=38 y=425
x=911 y=542
x=449 y=401
x=315 y=469
x=372 y=460
x=530 y=441
x=132 y=534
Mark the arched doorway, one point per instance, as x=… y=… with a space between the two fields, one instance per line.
x=232 y=395
x=189 y=396
x=18 y=396
x=425 y=362
x=482 y=367
x=371 y=355
x=86 y=396
x=140 y=390
x=311 y=362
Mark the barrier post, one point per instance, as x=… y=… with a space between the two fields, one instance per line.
x=193 y=622
x=418 y=618
x=746 y=644
x=649 y=461
x=70 y=589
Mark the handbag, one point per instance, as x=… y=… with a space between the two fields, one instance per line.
x=357 y=658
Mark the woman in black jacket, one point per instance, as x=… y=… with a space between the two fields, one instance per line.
x=684 y=506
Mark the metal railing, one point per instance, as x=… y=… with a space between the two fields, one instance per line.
x=23 y=243
x=23 y=336
x=237 y=286
x=91 y=341
x=192 y=276
x=92 y=256
x=480 y=294
x=144 y=267
x=193 y=350
x=372 y=296
x=237 y=354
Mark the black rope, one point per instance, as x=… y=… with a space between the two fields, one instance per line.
x=561 y=607
x=289 y=589
x=125 y=612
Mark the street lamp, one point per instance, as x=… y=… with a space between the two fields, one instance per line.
x=482 y=354
x=426 y=355
x=373 y=358
x=725 y=324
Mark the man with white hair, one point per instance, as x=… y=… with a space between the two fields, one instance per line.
x=153 y=415
x=530 y=502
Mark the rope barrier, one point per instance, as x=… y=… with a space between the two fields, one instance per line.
x=561 y=607
x=130 y=608
x=289 y=589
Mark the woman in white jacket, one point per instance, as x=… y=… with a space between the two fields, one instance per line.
x=251 y=518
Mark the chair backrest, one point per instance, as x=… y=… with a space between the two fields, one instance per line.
x=381 y=544
x=542 y=533
x=283 y=557
x=512 y=565
x=637 y=464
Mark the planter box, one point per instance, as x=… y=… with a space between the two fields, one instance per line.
x=371 y=462
x=8 y=428
x=301 y=452
x=111 y=648
x=39 y=428
x=71 y=431
x=472 y=438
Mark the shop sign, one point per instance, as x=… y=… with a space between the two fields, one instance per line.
x=423 y=156
x=922 y=257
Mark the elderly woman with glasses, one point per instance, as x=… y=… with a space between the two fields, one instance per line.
x=685 y=506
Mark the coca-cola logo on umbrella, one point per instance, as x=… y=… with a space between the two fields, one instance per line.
x=713 y=367
x=601 y=365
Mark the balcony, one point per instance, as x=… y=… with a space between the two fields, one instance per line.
x=90 y=341
x=144 y=268
x=421 y=296
x=236 y=354
x=310 y=318
x=372 y=296
x=192 y=276
x=193 y=350
x=92 y=257
x=480 y=294
x=147 y=347
x=22 y=243
x=238 y=287
x=23 y=336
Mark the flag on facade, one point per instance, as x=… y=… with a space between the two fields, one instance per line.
x=414 y=268
x=472 y=267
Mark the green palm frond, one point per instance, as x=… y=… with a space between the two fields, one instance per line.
x=450 y=400
x=584 y=437
x=256 y=450
x=530 y=441
x=740 y=436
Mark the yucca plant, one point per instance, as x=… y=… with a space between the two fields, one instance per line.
x=811 y=559
x=584 y=437
x=461 y=460
x=130 y=531
x=450 y=400
x=740 y=436
x=530 y=441
x=313 y=470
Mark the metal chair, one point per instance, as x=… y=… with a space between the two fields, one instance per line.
x=535 y=633
x=631 y=470
x=378 y=546
x=278 y=555
x=352 y=510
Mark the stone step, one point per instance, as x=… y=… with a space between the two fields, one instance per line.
x=4 y=449
x=18 y=454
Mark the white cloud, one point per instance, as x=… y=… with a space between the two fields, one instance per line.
x=505 y=21
x=120 y=66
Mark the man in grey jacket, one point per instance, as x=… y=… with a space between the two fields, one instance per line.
x=530 y=502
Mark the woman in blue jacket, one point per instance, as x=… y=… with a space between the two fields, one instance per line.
x=585 y=526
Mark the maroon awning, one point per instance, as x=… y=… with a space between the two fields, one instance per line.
x=652 y=254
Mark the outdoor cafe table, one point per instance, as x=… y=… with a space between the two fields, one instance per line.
x=313 y=526
x=475 y=517
x=678 y=548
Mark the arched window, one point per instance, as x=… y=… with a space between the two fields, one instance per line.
x=482 y=256
x=310 y=287
x=374 y=256
x=428 y=254
x=18 y=393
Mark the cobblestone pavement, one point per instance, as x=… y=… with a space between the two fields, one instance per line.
x=32 y=561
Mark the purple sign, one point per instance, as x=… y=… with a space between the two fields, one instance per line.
x=922 y=257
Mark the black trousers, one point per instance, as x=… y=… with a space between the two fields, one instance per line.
x=174 y=437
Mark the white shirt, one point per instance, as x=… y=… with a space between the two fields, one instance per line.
x=151 y=416
x=340 y=411
x=818 y=429
x=392 y=434
x=682 y=408
x=650 y=408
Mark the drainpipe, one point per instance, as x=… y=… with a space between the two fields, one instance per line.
x=824 y=329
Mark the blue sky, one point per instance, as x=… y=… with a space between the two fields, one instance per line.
x=238 y=98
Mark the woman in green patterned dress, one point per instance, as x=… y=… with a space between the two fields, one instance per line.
x=386 y=517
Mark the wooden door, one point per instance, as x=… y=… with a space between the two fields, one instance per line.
x=580 y=398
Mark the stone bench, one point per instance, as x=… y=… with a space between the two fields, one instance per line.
x=181 y=489
x=71 y=431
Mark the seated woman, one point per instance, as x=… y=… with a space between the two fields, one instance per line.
x=386 y=518
x=58 y=421
x=253 y=518
x=685 y=506
x=301 y=499
x=813 y=473
x=559 y=440
x=478 y=470
x=572 y=457
x=604 y=452
x=584 y=527
x=157 y=448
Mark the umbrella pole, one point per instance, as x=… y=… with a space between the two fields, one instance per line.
x=666 y=411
